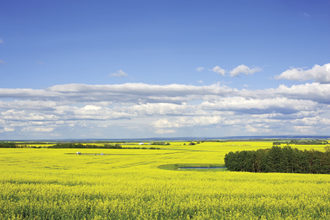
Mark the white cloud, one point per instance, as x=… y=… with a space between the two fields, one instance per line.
x=160 y=109
x=28 y=104
x=251 y=129
x=310 y=91
x=164 y=131
x=122 y=93
x=150 y=110
x=243 y=69
x=200 y=69
x=178 y=122
x=219 y=70
x=305 y=129
x=317 y=73
x=6 y=129
x=281 y=105
x=24 y=115
x=119 y=73
x=38 y=129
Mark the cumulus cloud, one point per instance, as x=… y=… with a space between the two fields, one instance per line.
x=243 y=69
x=317 y=73
x=310 y=91
x=119 y=73
x=219 y=70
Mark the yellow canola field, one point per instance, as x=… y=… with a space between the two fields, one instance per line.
x=127 y=184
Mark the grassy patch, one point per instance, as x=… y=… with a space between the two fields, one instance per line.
x=191 y=166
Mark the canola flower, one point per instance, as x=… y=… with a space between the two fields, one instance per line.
x=127 y=184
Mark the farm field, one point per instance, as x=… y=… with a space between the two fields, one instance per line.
x=41 y=183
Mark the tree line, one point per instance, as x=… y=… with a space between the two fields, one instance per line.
x=93 y=146
x=302 y=142
x=76 y=145
x=277 y=159
x=7 y=145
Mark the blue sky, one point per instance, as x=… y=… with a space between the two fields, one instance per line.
x=251 y=67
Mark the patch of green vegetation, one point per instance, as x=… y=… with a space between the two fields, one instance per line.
x=191 y=166
x=160 y=143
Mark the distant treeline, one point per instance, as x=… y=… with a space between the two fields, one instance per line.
x=302 y=142
x=76 y=145
x=160 y=143
x=7 y=145
x=91 y=146
x=282 y=160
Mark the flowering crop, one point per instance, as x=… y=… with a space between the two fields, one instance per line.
x=127 y=184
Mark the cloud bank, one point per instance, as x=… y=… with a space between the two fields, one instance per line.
x=148 y=110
